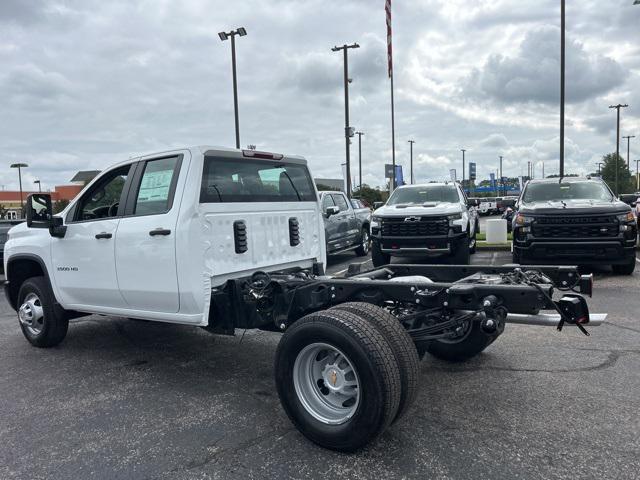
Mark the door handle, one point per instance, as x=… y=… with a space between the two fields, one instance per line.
x=160 y=231
x=103 y=235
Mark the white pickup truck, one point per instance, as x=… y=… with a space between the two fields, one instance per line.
x=226 y=239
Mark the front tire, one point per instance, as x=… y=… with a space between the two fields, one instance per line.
x=626 y=268
x=365 y=243
x=43 y=322
x=463 y=253
x=378 y=257
x=337 y=379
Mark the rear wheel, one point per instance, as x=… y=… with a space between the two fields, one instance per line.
x=378 y=257
x=626 y=268
x=365 y=243
x=473 y=342
x=43 y=322
x=401 y=344
x=337 y=379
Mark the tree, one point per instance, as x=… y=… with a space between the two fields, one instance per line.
x=369 y=195
x=626 y=183
x=60 y=205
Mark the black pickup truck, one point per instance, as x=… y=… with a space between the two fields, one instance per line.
x=574 y=221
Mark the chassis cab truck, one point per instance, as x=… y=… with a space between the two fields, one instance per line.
x=225 y=239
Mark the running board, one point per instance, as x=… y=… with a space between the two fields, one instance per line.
x=552 y=319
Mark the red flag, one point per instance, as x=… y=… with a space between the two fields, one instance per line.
x=387 y=9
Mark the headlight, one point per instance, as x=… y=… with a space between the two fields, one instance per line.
x=375 y=222
x=626 y=217
x=455 y=219
x=523 y=220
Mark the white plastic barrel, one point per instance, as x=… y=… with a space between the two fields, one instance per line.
x=497 y=231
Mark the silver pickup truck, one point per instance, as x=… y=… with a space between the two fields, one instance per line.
x=346 y=228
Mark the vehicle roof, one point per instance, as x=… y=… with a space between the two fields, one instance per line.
x=566 y=180
x=208 y=149
x=430 y=184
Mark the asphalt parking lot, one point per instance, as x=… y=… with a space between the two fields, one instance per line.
x=130 y=399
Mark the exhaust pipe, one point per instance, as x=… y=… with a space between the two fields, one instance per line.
x=552 y=319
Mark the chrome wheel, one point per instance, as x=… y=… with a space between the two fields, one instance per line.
x=365 y=242
x=326 y=383
x=31 y=314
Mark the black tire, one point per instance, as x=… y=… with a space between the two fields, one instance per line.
x=468 y=347
x=378 y=257
x=365 y=243
x=401 y=344
x=462 y=256
x=375 y=365
x=52 y=328
x=473 y=242
x=626 y=268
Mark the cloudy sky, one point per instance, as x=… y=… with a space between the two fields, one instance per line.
x=86 y=83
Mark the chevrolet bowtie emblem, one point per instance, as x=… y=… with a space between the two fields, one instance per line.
x=412 y=219
x=333 y=377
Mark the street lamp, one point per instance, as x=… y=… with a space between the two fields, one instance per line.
x=224 y=36
x=629 y=137
x=637 y=161
x=599 y=164
x=411 y=142
x=39 y=186
x=562 y=84
x=617 y=107
x=348 y=131
x=360 y=134
x=463 y=152
x=20 y=166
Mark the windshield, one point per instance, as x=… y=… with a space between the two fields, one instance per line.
x=424 y=194
x=546 y=192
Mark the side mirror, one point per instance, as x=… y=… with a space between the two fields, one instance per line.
x=332 y=211
x=377 y=205
x=39 y=211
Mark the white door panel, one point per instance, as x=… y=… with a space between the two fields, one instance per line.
x=84 y=266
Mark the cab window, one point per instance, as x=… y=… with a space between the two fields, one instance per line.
x=327 y=202
x=340 y=202
x=103 y=199
x=155 y=194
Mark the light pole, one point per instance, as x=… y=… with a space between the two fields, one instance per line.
x=637 y=177
x=463 y=152
x=360 y=134
x=599 y=164
x=411 y=142
x=562 y=84
x=629 y=137
x=617 y=107
x=20 y=166
x=501 y=180
x=39 y=186
x=347 y=130
x=224 y=36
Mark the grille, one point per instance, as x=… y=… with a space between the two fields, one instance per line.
x=576 y=227
x=421 y=227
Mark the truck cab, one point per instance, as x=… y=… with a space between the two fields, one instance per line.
x=149 y=237
x=346 y=228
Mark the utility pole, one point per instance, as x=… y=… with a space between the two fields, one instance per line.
x=562 y=83
x=599 y=165
x=529 y=169
x=411 y=142
x=360 y=134
x=501 y=180
x=617 y=107
x=637 y=177
x=463 y=152
x=224 y=36
x=347 y=130
x=39 y=186
x=543 y=169
x=629 y=137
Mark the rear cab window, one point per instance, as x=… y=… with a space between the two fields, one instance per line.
x=229 y=180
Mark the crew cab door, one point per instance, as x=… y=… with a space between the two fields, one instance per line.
x=347 y=223
x=145 y=250
x=84 y=260
x=331 y=223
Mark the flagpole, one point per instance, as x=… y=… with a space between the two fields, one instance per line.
x=393 y=138
x=387 y=8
